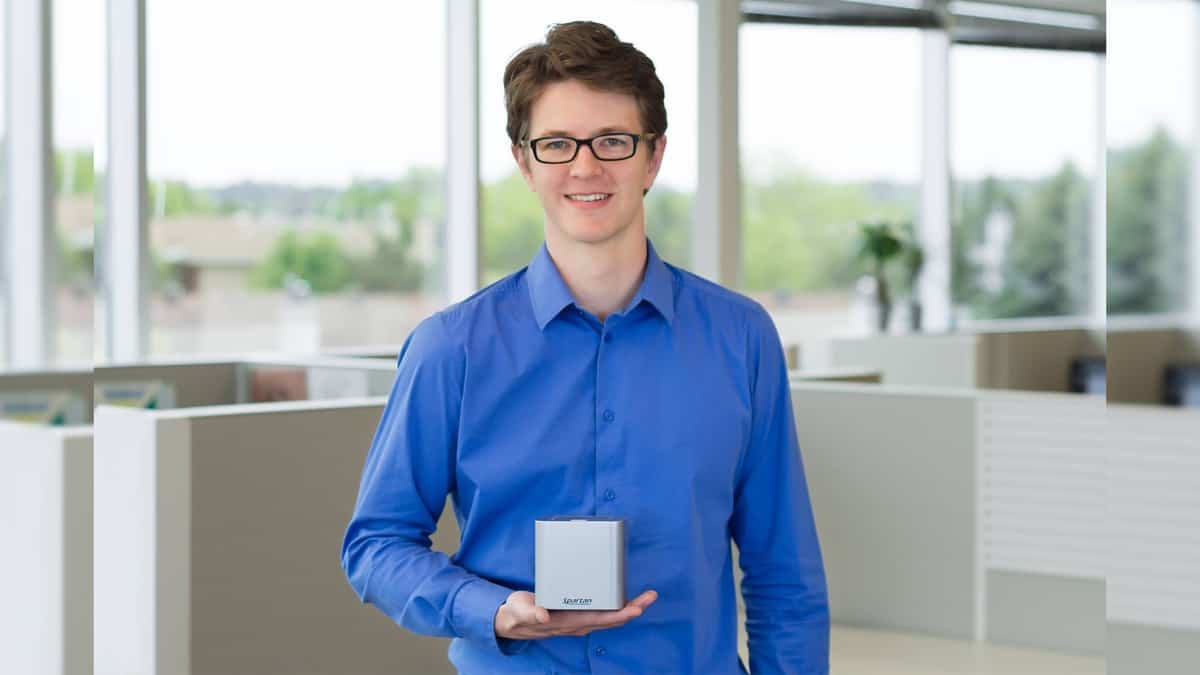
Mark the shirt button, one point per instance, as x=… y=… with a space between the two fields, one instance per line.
x=608 y=337
x=609 y=495
x=600 y=651
x=609 y=416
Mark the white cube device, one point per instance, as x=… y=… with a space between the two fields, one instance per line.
x=579 y=562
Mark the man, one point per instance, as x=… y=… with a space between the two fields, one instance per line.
x=597 y=380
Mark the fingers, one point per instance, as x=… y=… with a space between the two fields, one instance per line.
x=535 y=621
x=645 y=599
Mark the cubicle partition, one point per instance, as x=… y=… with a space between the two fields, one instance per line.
x=46 y=535
x=218 y=532
x=843 y=374
x=252 y=380
x=386 y=352
x=47 y=459
x=1154 y=544
x=1029 y=359
x=957 y=512
x=45 y=531
x=53 y=397
x=1139 y=354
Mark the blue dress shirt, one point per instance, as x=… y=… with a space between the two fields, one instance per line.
x=674 y=414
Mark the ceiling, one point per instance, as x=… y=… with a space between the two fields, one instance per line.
x=1076 y=25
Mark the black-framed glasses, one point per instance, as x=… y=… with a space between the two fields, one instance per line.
x=605 y=147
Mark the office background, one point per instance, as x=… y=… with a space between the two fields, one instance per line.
x=222 y=203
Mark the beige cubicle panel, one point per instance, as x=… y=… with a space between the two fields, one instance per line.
x=46 y=536
x=1138 y=356
x=217 y=544
x=75 y=383
x=194 y=383
x=258 y=379
x=941 y=511
x=1034 y=360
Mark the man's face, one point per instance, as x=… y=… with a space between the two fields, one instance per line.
x=570 y=108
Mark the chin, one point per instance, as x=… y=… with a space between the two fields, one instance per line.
x=592 y=232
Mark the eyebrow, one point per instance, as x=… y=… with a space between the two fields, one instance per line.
x=598 y=132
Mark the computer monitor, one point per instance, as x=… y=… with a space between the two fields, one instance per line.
x=1087 y=375
x=1181 y=385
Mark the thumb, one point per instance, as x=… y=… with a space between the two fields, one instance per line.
x=525 y=609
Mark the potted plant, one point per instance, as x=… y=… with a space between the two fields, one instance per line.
x=878 y=243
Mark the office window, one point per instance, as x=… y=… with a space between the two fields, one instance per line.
x=1151 y=139
x=78 y=81
x=512 y=227
x=295 y=159
x=1024 y=157
x=830 y=135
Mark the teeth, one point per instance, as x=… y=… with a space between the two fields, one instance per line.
x=587 y=198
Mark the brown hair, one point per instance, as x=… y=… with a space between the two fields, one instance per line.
x=591 y=53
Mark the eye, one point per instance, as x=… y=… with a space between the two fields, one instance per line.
x=555 y=144
x=614 y=141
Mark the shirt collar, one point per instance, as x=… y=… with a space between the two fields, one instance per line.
x=549 y=293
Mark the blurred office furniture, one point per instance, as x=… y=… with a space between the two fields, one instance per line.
x=836 y=374
x=1153 y=549
x=959 y=512
x=1181 y=385
x=217 y=539
x=1035 y=358
x=46 y=530
x=1087 y=375
x=46 y=526
x=1139 y=352
x=46 y=473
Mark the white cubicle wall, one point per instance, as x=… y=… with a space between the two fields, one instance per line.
x=45 y=524
x=1154 y=547
x=218 y=533
x=1030 y=359
x=939 y=512
x=46 y=536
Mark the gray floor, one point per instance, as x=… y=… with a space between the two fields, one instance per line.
x=856 y=651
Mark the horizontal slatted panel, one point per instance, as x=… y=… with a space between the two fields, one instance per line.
x=1154 y=491
x=1043 y=484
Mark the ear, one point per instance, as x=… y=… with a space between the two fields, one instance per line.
x=522 y=159
x=656 y=158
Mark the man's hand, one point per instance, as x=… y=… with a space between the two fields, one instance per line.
x=520 y=617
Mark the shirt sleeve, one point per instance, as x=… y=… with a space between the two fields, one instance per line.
x=408 y=473
x=787 y=609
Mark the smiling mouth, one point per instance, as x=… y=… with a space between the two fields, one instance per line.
x=590 y=197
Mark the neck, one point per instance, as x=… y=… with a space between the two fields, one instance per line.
x=603 y=277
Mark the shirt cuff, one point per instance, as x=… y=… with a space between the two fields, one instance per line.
x=474 y=615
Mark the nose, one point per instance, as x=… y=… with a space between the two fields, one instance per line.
x=585 y=164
